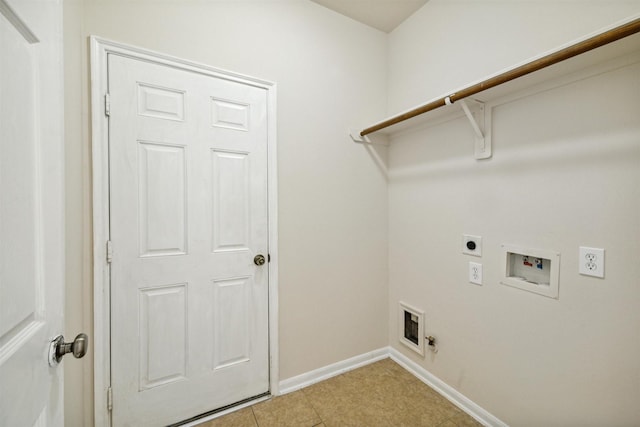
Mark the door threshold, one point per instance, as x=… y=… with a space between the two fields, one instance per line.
x=216 y=413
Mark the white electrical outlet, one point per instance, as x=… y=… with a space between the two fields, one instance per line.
x=475 y=273
x=591 y=261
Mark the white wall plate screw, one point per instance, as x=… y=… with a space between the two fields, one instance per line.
x=591 y=261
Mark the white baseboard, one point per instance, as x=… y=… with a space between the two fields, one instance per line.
x=326 y=372
x=451 y=394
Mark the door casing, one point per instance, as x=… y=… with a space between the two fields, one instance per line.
x=100 y=48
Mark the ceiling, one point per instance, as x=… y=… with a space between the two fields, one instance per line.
x=384 y=15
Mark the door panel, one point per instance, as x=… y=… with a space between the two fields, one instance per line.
x=230 y=200
x=188 y=201
x=231 y=300
x=31 y=212
x=163 y=318
x=162 y=199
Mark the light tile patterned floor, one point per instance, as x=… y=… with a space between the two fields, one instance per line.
x=378 y=395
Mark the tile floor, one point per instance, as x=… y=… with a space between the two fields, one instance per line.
x=377 y=395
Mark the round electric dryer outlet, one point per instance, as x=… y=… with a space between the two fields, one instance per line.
x=471 y=245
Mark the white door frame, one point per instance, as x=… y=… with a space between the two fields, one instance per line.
x=100 y=48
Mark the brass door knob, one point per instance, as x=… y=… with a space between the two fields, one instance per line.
x=259 y=260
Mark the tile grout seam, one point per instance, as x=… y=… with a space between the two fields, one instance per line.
x=315 y=411
x=255 y=419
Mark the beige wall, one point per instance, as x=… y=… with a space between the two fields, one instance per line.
x=331 y=74
x=564 y=174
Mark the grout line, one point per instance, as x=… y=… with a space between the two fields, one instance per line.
x=308 y=398
x=310 y=403
x=255 y=419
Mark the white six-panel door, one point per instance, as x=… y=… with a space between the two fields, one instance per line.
x=188 y=214
x=31 y=211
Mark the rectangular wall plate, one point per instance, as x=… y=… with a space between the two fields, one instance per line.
x=591 y=262
x=475 y=273
x=471 y=245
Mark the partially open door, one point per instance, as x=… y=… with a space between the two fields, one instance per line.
x=31 y=211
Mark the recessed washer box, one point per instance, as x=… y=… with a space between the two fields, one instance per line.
x=533 y=270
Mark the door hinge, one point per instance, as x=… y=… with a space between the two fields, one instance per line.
x=109 y=399
x=109 y=252
x=107 y=105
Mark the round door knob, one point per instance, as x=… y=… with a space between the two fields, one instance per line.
x=58 y=348
x=259 y=260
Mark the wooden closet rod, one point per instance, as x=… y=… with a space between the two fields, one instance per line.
x=594 y=42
